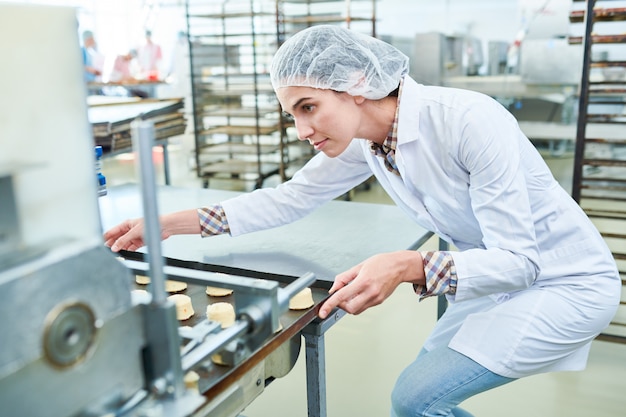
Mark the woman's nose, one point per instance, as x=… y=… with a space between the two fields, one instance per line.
x=304 y=131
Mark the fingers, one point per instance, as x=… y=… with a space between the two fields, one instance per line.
x=345 y=278
x=128 y=236
x=131 y=245
x=349 y=299
x=370 y=283
x=125 y=236
x=127 y=242
x=338 y=291
x=113 y=233
x=329 y=305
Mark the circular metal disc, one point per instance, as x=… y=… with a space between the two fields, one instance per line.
x=68 y=334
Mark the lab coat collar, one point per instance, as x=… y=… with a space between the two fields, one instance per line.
x=408 y=120
x=408 y=116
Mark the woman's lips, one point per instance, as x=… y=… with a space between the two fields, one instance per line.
x=319 y=145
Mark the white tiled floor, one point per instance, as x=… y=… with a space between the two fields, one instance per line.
x=365 y=353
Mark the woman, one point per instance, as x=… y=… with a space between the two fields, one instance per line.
x=532 y=282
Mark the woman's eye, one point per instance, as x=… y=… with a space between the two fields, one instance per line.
x=307 y=108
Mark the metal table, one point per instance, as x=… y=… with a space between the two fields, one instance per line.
x=111 y=123
x=335 y=237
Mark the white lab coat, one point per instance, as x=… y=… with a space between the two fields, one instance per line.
x=536 y=281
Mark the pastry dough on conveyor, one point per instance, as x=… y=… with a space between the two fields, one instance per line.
x=170 y=285
x=184 y=308
x=218 y=292
x=191 y=379
x=175 y=286
x=223 y=313
x=142 y=279
x=140 y=297
x=302 y=300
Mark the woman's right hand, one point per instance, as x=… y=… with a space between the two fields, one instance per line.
x=127 y=235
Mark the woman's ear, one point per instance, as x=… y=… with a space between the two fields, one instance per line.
x=359 y=99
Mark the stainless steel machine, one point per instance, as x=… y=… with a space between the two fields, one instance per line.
x=74 y=341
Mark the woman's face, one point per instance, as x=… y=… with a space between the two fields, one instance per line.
x=329 y=120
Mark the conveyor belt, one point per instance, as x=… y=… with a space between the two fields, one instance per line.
x=200 y=266
x=219 y=377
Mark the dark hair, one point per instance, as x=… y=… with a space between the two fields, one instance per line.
x=395 y=92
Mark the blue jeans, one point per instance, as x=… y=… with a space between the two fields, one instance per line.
x=439 y=380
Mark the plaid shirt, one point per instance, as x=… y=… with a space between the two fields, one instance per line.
x=387 y=150
x=213 y=221
x=440 y=275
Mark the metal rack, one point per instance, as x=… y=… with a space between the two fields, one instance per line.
x=599 y=182
x=240 y=133
x=294 y=15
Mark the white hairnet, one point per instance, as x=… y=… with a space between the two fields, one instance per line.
x=331 y=57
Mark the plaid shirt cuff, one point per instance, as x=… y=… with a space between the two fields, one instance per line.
x=440 y=274
x=213 y=221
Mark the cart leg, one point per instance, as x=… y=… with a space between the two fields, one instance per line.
x=315 y=374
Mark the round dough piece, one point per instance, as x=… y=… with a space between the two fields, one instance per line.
x=140 y=297
x=175 y=286
x=170 y=285
x=218 y=292
x=223 y=313
x=191 y=379
x=184 y=308
x=280 y=328
x=302 y=300
x=142 y=279
x=217 y=359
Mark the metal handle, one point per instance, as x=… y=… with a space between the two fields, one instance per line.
x=285 y=294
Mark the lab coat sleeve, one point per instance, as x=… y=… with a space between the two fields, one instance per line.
x=319 y=181
x=491 y=151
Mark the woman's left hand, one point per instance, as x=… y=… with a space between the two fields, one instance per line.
x=372 y=281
